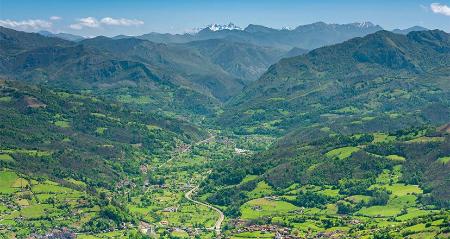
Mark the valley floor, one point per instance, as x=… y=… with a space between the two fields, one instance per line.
x=165 y=201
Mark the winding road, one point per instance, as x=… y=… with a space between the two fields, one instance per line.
x=188 y=195
x=218 y=224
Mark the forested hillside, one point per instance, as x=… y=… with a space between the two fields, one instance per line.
x=62 y=134
x=379 y=82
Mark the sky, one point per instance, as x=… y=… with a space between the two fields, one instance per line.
x=136 y=17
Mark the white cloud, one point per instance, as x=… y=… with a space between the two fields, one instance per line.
x=33 y=24
x=55 y=18
x=91 y=22
x=121 y=21
x=76 y=26
x=440 y=9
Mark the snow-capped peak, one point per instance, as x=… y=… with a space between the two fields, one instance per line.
x=364 y=24
x=288 y=28
x=218 y=27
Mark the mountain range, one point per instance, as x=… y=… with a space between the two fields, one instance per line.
x=62 y=35
x=306 y=36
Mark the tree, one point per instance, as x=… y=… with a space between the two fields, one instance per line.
x=311 y=199
x=380 y=196
x=344 y=208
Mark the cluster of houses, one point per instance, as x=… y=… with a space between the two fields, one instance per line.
x=171 y=209
x=125 y=183
x=149 y=229
x=332 y=234
x=280 y=232
x=190 y=231
x=63 y=233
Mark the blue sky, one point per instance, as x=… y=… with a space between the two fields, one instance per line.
x=133 y=17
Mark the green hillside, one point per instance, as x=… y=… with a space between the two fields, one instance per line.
x=61 y=134
x=358 y=140
x=305 y=183
x=382 y=81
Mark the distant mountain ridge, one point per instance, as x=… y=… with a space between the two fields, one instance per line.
x=410 y=29
x=309 y=36
x=306 y=36
x=62 y=35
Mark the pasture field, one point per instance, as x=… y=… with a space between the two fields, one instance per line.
x=5 y=99
x=30 y=152
x=262 y=189
x=7 y=181
x=444 y=160
x=342 y=153
x=31 y=206
x=263 y=207
x=6 y=158
x=425 y=139
x=382 y=138
x=396 y=157
x=380 y=211
x=399 y=189
x=62 y=124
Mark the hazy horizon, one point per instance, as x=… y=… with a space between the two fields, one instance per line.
x=111 y=18
x=195 y=30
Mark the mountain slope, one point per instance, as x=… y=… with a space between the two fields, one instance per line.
x=16 y=41
x=153 y=75
x=295 y=52
x=242 y=60
x=183 y=66
x=380 y=74
x=60 y=134
x=62 y=35
x=410 y=29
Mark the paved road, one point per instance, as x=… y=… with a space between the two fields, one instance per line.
x=218 y=225
x=188 y=196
